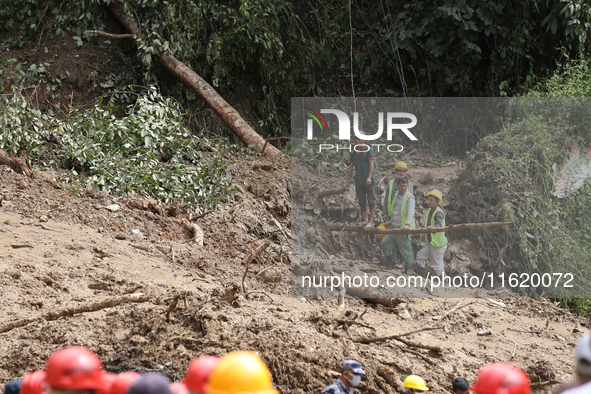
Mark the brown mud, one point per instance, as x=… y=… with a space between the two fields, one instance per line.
x=72 y=250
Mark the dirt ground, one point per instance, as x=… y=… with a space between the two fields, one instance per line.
x=61 y=251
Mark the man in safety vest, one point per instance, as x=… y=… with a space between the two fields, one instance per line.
x=240 y=372
x=399 y=211
x=501 y=378
x=350 y=377
x=363 y=159
x=414 y=384
x=435 y=243
x=400 y=171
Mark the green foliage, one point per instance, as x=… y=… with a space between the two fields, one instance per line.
x=550 y=235
x=571 y=79
x=260 y=52
x=148 y=151
x=461 y=43
x=9 y=75
x=578 y=306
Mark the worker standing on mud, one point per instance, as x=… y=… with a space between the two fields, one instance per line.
x=582 y=384
x=363 y=159
x=399 y=208
x=400 y=171
x=350 y=377
x=435 y=243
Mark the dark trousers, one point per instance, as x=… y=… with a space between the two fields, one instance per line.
x=367 y=196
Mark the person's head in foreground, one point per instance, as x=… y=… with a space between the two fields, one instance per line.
x=501 y=378
x=460 y=386
x=583 y=358
x=74 y=370
x=199 y=372
x=240 y=372
x=352 y=372
x=414 y=384
x=150 y=383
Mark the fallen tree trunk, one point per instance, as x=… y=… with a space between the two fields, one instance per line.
x=331 y=209
x=424 y=230
x=371 y=295
x=18 y=166
x=69 y=311
x=332 y=192
x=195 y=230
x=253 y=255
x=434 y=326
x=225 y=111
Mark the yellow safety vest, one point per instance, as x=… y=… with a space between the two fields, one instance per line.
x=437 y=239
x=391 y=199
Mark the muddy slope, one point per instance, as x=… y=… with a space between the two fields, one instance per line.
x=72 y=250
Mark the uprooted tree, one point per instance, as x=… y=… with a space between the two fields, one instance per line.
x=247 y=135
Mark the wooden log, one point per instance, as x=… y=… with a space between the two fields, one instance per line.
x=195 y=230
x=102 y=33
x=247 y=135
x=331 y=209
x=370 y=295
x=69 y=311
x=17 y=165
x=332 y=192
x=424 y=230
x=434 y=326
x=253 y=255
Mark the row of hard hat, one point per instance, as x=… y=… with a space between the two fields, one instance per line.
x=494 y=378
x=79 y=369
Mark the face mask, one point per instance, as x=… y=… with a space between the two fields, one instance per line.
x=355 y=380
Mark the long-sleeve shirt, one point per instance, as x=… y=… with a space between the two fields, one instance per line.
x=397 y=214
x=385 y=205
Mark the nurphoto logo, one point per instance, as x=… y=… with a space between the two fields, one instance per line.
x=345 y=129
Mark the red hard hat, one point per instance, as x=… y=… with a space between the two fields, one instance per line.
x=501 y=378
x=108 y=380
x=34 y=383
x=123 y=381
x=74 y=368
x=198 y=373
x=178 y=388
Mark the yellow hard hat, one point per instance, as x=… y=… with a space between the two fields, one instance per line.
x=402 y=165
x=415 y=382
x=436 y=193
x=241 y=372
x=383 y=226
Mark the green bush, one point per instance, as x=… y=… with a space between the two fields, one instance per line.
x=147 y=151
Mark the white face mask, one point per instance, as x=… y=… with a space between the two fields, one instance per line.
x=355 y=380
